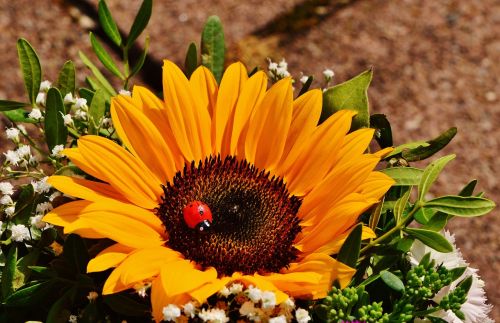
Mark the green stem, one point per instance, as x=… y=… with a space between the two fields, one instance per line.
x=418 y=205
x=126 y=67
x=73 y=133
x=425 y=312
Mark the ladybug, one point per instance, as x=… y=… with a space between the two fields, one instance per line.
x=197 y=215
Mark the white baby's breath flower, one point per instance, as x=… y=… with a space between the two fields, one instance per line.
x=254 y=294
x=73 y=319
x=56 y=151
x=106 y=122
x=214 y=315
x=124 y=92
x=6 y=200
x=80 y=114
x=35 y=114
x=23 y=151
x=67 y=119
x=272 y=66
x=45 y=86
x=42 y=208
x=22 y=129
x=53 y=196
x=6 y=188
x=302 y=316
x=268 y=300
x=304 y=79
x=12 y=134
x=12 y=157
x=33 y=161
x=41 y=186
x=41 y=98
x=9 y=211
x=68 y=98
x=19 y=232
x=283 y=64
x=282 y=72
x=171 y=312
x=236 y=288
x=80 y=103
x=328 y=74
x=36 y=221
x=278 y=319
x=225 y=291
x=189 y=309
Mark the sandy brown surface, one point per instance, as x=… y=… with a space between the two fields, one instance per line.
x=436 y=66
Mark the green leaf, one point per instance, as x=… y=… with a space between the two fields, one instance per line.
x=392 y=281
x=465 y=284
x=141 y=60
x=423 y=216
x=375 y=215
x=404 y=176
x=456 y=273
x=191 y=61
x=75 y=253
x=400 y=206
x=24 y=263
x=351 y=95
x=404 y=244
x=461 y=206
x=434 y=145
x=30 y=294
x=104 y=57
x=25 y=204
x=411 y=145
x=43 y=271
x=430 y=238
x=60 y=311
x=100 y=80
x=213 y=47
x=19 y=115
x=306 y=85
x=30 y=66
x=56 y=131
x=140 y=22
x=468 y=189
x=48 y=236
x=66 y=79
x=108 y=24
x=430 y=174
x=124 y=305
x=6 y=105
x=383 y=132
x=87 y=94
x=9 y=272
x=96 y=111
x=349 y=252
x=437 y=222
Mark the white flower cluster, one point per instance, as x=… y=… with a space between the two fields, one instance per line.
x=278 y=71
x=79 y=105
x=9 y=207
x=475 y=308
x=251 y=303
x=21 y=157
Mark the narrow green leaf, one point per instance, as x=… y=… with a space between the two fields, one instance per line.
x=6 y=105
x=306 y=85
x=404 y=176
x=392 y=281
x=430 y=238
x=213 y=47
x=468 y=189
x=25 y=204
x=191 y=61
x=140 y=22
x=9 y=272
x=24 y=263
x=141 y=60
x=43 y=271
x=410 y=145
x=101 y=81
x=30 y=66
x=56 y=132
x=30 y=294
x=66 y=80
x=456 y=273
x=96 y=111
x=434 y=145
x=124 y=305
x=253 y=71
x=75 y=252
x=465 y=284
x=351 y=95
x=383 y=132
x=404 y=244
x=104 y=57
x=430 y=174
x=349 y=252
x=434 y=319
x=60 y=311
x=108 y=24
x=424 y=215
x=19 y=115
x=461 y=206
x=375 y=215
x=400 y=206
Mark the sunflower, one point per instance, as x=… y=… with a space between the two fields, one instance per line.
x=277 y=193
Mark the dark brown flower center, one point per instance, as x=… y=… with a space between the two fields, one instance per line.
x=254 y=217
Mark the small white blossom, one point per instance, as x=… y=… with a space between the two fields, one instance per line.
x=283 y=64
x=23 y=151
x=6 y=200
x=302 y=315
x=189 y=309
x=248 y=309
x=289 y=303
x=42 y=208
x=6 y=188
x=41 y=186
x=73 y=319
x=304 y=79
x=41 y=98
x=278 y=319
x=45 y=86
x=282 y=72
x=106 y=122
x=80 y=103
x=10 y=211
x=35 y=114
x=19 y=232
x=254 y=294
x=67 y=119
x=68 y=98
x=214 y=315
x=268 y=300
x=225 y=291
x=36 y=221
x=56 y=151
x=272 y=66
x=124 y=92
x=236 y=288
x=328 y=74
x=33 y=161
x=53 y=196
x=92 y=296
x=12 y=157
x=171 y=312
x=12 y=134
x=141 y=289
x=80 y=114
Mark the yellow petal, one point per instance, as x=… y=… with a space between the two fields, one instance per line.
x=66 y=214
x=334 y=246
x=182 y=277
x=120 y=169
x=160 y=299
x=204 y=86
x=108 y=258
x=264 y=284
x=84 y=189
x=376 y=185
x=231 y=85
x=269 y=125
x=201 y=294
x=143 y=139
x=355 y=144
x=113 y=283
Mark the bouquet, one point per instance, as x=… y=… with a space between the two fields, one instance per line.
x=235 y=194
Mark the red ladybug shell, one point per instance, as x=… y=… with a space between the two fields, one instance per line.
x=195 y=213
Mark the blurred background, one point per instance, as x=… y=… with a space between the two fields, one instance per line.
x=436 y=65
